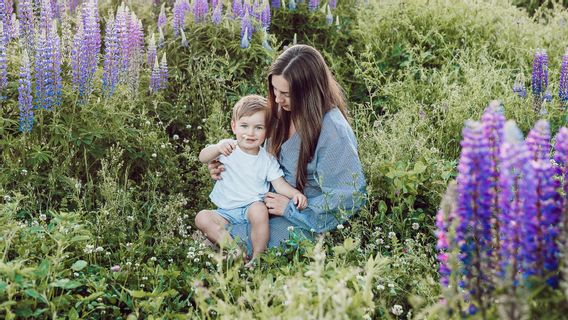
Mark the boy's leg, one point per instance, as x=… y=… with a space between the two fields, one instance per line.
x=213 y=226
x=257 y=215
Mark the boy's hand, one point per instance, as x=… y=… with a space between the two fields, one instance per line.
x=226 y=147
x=300 y=201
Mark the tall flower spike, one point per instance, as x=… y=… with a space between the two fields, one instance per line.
x=237 y=8
x=538 y=141
x=561 y=160
x=42 y=71
x=473 y=233
x=25 y=14
x=152 y=50
x=184 y=42
x=276 y=4
x=8 y=20
x=517 y=201
x=111 y=58
x=539 y=77
x=246 y=28
x=265 y=16
x=164 y=72
x=200 y=9
x=519 y=87
x=563 y=85
x=3 y=64
x=244 y=40
x=162 y=20
x=155 y=77
x=329 y=16
x=216 y=17
x=292 y=5
x=313 y=5
x=25 y=95
x=161 y=38
x=265 y=43
x=333 y=4
x=178 y=20
x=54 y=43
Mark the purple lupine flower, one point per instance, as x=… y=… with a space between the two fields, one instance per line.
x=313 y=5
x=216 y=17
x=547 y=96
x=538 y=141
x=443 y=222
x=473 y=233
x=275 y=4
x=14 y=27
x=517 y=201
x=161 y=38
x=539 y=77
x=3 y=64
x=54 y=43
x=200 y=9
x=493 y=122
x=329 y=17
x=265 y=43
x=164 y=72
x=9 y=15
x=333 y=4
x=237 y=8
x=46 y=15
x=178 y=20
x=73 y=5
x=245 y=40
x=122 y=22
x=111 y=58
x=162 y=20
x=25 y=95
x=265 y=16
x=292 y=5
x=3 y=19
x=519 y=88
x=152 y=50
x=561 y=159
x=547 y=221
x=42 y=71
x=25 y=14
x=563 y=85
x=246 y=27
x=155 y=77
x=184 y=42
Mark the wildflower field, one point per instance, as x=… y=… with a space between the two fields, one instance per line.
x=459 y=107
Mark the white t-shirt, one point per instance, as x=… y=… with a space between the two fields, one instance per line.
x=246 y=178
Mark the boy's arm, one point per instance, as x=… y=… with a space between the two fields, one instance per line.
x=282 y=187
x=211 y=152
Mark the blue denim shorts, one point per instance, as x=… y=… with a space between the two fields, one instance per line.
x=236 y=215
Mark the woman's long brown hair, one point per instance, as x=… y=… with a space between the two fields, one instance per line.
x=313 y=92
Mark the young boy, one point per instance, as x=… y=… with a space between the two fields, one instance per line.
x=249 y=171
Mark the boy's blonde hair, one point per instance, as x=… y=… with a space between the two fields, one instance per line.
x=249 y=105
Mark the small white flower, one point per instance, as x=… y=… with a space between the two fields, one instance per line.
x=390 y=285
x=207 y=264
x=129 y=244
x=163 y=146
x=24 y=172
x=196 y=260
x=154 y=155
x=142 y=285
x=391 y=235
x=7 y=198
x=397 y=310
x=76 y=274
x=160 y=123
x=185 y=141
x=380 y=287
x=340 y=227
x=415 y=226
x=107 y=253
x=380 y=241
x=128 y=263
x=204 y=120
x=148 y=122
x=42 y=217
x=291 y=228
x=170 y=260
x=137 y=264
x=198 y=127
x=130 y=218
x=99 y=249
x=144 y=278
x=99 y=299
x=115 y=268
x=312 y=230
x=153 y=259
x=175 y=137
x=190 y=255
x=188 y=126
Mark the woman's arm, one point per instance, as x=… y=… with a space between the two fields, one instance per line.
x=283 y=188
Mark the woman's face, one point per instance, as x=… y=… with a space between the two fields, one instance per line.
x=281 y=92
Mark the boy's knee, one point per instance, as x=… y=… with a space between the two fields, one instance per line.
x=258 y=212
x=201 y=219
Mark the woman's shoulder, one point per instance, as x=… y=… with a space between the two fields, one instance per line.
x=335 y=124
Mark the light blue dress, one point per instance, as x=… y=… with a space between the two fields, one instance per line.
x=335 y=185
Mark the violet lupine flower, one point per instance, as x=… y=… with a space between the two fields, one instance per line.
x=265 y=16
x=275 y=4
x=111 y=58
x=3 y=19
x=329 y=17
x=14 y=27
x=42 y=71
x=135 y=40
x=200 y=9
x=122 y=22
x=54 y=43
x=155 y=77
x=216 y=17
x=25 y=14
x=538 y=141
x=313 y=5
x=178 y=21
x=547 y=221
x=46 y=15
x=265 y=43
x=162 y=19
x=161 y=39
x=152 y=50
x=519 y=88
x=245 y=40
x=237 y=8
x=164 y=72
x=333 y=4
x=539 y=77
x=517 y=201
x=8 y=19
x=473 y=232
x=563 y=85
x=246 y=27
x=292 y=5
x=3 y=64
x=25 y=95
x=442 y=227
x=561 y=159
x=493 y=122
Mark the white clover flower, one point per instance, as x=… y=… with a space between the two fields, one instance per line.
x=170 y=260
x=312 y=230
x=204 y=120
x=42 y=217
x=188 y=126
x=137 y=264
x=291 y=228
x=415 y=226
x=7 y=198
x=24 y=172
x=160 y=123
x=198 y=127
x=129 y=244
x=142 y=285
x=397 y=310
x=379 y=241
x=185 y=140
x=154 y=155
x=163 y=146
x=380 y=287
x=340 y=227
x=107 y=253
x=153 y=259
x=190 y=255
x=175 y=137
x=390 y=285
x=391 y=235
x=99 y=299
x=148 y=122
x=207 y=264
x=99 y=249
x=130 y=218
x=76 y=274
x=196 y=260
x=144 y=278
x=128 y=263
x=115 y=268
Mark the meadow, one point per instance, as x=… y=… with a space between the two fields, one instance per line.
x=105 y=105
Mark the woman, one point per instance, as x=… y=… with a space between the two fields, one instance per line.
x=315 y=146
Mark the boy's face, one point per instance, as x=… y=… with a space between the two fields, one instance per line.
x=250 y=131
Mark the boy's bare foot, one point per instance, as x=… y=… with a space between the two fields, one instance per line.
x=251 y=264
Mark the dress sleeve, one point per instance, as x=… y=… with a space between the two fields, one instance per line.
x=340 y=177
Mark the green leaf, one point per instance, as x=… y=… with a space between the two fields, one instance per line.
x=73 y=314
x=43 y=269
x=79 y=265
x=36 y=295
x=138 y=293
x=66 y=284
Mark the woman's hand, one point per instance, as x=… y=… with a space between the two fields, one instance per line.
x=276 y=203
x=215 y=168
